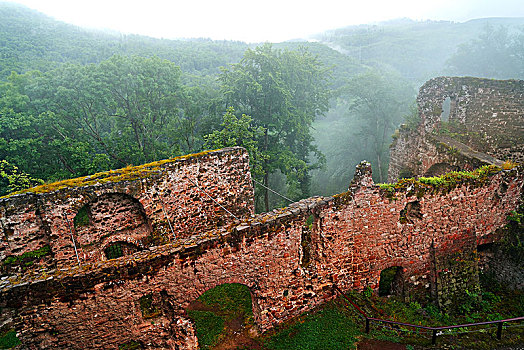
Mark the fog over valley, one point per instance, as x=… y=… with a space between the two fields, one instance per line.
x=77 y=100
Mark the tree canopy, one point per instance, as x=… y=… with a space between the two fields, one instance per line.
x=283 y=91
x=76 y=101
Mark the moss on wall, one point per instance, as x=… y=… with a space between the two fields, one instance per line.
x=439 y=184
x=129 y=173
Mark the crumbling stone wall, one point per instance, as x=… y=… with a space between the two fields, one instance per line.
x=366 y=232
x=455 y=271
x=143 y=206
x=111 y=218
x=289 y=265
x=486 y=126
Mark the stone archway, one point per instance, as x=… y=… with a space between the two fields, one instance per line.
x=391 y=281
x=111 y=218
x=225 y=311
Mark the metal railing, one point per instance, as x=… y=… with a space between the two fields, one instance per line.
x=434 y=330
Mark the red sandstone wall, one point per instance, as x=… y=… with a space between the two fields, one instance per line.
x=354 y=236
x=362 y=236
x=113 y=218
x=103 y=314
x=30 y=221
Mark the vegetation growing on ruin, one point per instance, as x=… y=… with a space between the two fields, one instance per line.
x=130 y=345
x=337 y=325
x=82 y=217
x=11 y=179
x=8 y=339
x=27 y=257
x=461 y=133
x=129 y=173
x=218 y=312
x=149 y=310
x=439 y=184
x=325 y=328
x=513 y=242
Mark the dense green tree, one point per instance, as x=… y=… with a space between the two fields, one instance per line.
x=143 y=103
x=32 y=140
x=11 y=179
x=236 y=131
x=359 y=126
x=283 y=91
x=379 y=100
x=80 y=119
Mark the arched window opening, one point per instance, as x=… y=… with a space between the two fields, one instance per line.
x=391 y=281
x=148 y=307
x=446 y=109
x=412 y=212
x=118 y=249
x=82 y=217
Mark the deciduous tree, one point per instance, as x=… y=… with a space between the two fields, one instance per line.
x=283 y=91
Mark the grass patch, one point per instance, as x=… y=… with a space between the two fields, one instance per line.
x=328 y=328
x=222 y=304
x=229 y=299
x=209 y=326
x=486 y=305
x=9 y=339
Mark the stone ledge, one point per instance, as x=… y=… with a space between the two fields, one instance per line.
x=128 y=174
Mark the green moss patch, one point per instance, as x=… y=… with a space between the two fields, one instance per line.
x=129 y=173
x=27 y=257
x=148 y=309
x=9 y=339
x=130 y=345
x=440 y=184
x=220 y=312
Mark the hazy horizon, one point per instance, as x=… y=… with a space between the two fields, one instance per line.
x=275 y=21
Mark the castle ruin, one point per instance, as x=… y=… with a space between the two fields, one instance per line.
x=78 y=255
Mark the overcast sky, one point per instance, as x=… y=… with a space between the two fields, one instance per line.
x=257 y=21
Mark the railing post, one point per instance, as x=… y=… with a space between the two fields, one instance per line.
x=499 y=330
x=367 y=325
x=434 y=338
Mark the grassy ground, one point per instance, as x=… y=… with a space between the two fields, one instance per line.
x=224 y=321
x=8 y=339
x=329 y=327
x=221 y=313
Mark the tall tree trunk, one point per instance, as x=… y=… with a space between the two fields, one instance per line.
x=266 y=171
x=379 y=165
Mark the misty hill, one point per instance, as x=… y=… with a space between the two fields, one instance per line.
x=31 y=40
x=375 y=69
x=418 y=50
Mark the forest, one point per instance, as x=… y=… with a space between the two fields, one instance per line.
x=75 y=101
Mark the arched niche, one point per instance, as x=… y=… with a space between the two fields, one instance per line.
x=111 y=218
x=117 y=249
x=391 y=281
